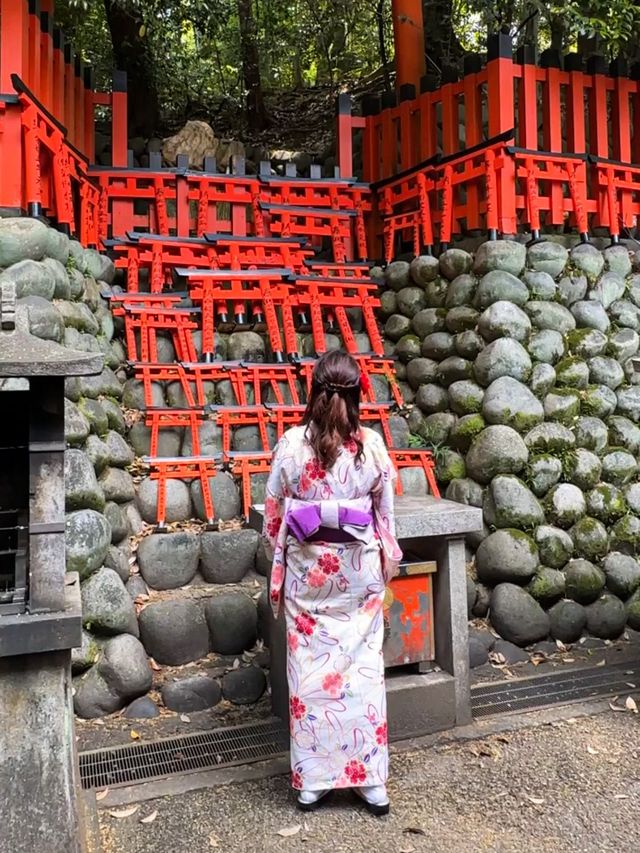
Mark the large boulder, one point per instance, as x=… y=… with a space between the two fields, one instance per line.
x=509 y=503
x=622 y=572
x=500 y=255
x=546 y=346
x=517 y=616
x=244 y=686
x=507 y=556
x=233 y=622
x=549 y=438
x=565 y=504
x=584 y=581
x=178 y=501
x=504 y=357
x=590 y=538
x=174 y=632
x=507 y=401
x=106 y=605
x=228 y=555
x=555 y=546
x=20 y=238
x=169 y=560
x=81 y=486
x=500 y=286
x=193 y=693
x=547 y=257
x=45 y=321
x=551 y=315
x=567 y=620
x=497 y=450
x=606 y=617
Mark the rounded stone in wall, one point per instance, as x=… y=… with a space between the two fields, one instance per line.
x=115 y=418
x=547 y=257
x=572 y=373
x=562 y=404
x=210 y=436
x=461 y=319
x=606 y=617
x=388 y=303
x=461 y=291
x=587 y=343
x=44 y=318
x=543 y=471
x=81 y=486
x=507 y=556
x=397 y=275
x=246 y=346
x=227 y=556
x=591 y=433
x=617 y=259
x=420 y=371
x=87 y=540
x=588 y=259
x=609 y=287
x=507 y=401
x=632 y=496
x=606 y=503
x=618 y=466
x=22 y=237
x=546 y=346
x=465 y=430
x=551 y=315
x=567 y=620
x=509 y=503
x=427 y=321
x=106 y=605
x=541 y=285
x=504 y=255
x=97 y=452
x=438 y=346
x=437 y=427
x=572 y=289
x=408 y=348
x=193 y=693
x=626 y=314
x=432 y=398
x=623 y=344
x=565 y=505
x=178 y=502
x=169 y=560
x=605 y=371
x=233 y=622
x=95 y=414
x=225 y=496
x=504 y=357
x=498 y=286
x=625 y=534
x=555 y=546
x=583 y=468
x=133 y=395
x=549 y=438
x=454 y=263
x=174 y=632
x=117 y=485
x=244 y=686
x=584 y=581
x=628 y=402
x=598 y=401
x=414 y=482
x=436 y=293
x=517 y=616
x=632 y=608
x=76 y=425
x=248 y=438
x=622 y=572
x=497 y=450
x=397 y=326
x=504 y=320
x=590 y=315
x=31 y=278
x=624 y=433
x=590 y=538
x=410 y=300
x=542 y=379
x=454 y=369
x=547 y=585
x=468 y=344
x=465 y=397
x=169 y=440
x=465 y=491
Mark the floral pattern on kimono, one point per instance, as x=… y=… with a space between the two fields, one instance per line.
x=333 y=606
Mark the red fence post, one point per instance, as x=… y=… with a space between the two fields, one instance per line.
x=500 y=99
x=599 y=129
x=14 y=34
x=14 y=56
x=78 y=69
x=69 y=90
x=408 y=36
x=345 y=136
x=621 y=126
x=119 y=130
x=57 y=76
x=88 y=146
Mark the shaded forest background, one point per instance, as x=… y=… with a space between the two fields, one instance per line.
x=268 y=70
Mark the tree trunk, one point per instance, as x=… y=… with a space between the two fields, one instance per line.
x=441 y=43
x=131 y=54
x=256 y=112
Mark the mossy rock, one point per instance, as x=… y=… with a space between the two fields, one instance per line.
x=496 y=450
x=449 y=466
x=454 y=369
x=549 y=438
x=555 y=546
x=572 y=372
x=465 y=491
x=542 y=379
x=582 y=468
x=562 y=405
x=567 y=620
x=623 y=574
x=507 y=556
x=465 y=397
x=421 y=371
x=432 y=398
x=625 y=534
x=590 y=538
x=591 y=433
x=436 y=428
x=623 y=344
x=606 y=503
x=469 y=344
x=438 y=346
x=543 y=472
x=461 y=319
x=509 y=503
x=606 y=617
x=597 y=401
x=584 y=581
x=624 y=433
x=546 y=346
x=565 y=505
x=547 y=585
x=633 y=611
x=461 y=291
x=465 y=430
x=408 y=348
x=427 y=321
x=618 y=466
x=586 y=343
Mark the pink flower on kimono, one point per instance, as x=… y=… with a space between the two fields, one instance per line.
x=356 y=772
x=314 y=470
x=332 y=683
x=350 y=446
x=305 y=624
x=274 y=595
x=297 y=708
x=292 y=641
x=296 y=780
x=277 y=574
x=381 y=733
x=372 y=604
x=329 y=563
x=316 y=577
x=273 y=526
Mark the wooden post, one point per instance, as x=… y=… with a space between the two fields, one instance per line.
x=57 y=76
x=14 y=41
x=88 y=146
x=78 y=84
x=14 y=34
x=46 y=60
x=408 y=37
x=69 y=90
x=501 y=119
x=345 y=136
x=33 y=60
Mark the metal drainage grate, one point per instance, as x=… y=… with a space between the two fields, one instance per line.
x=554 y=689
x=124 y=765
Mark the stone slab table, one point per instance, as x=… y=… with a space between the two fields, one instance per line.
x=419 y=702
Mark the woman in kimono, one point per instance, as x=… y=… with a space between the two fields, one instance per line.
x=329 y=523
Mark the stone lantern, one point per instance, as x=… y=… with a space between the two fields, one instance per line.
x=40 y=611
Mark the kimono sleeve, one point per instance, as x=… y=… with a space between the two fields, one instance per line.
x=274 y=501
x=383 y=496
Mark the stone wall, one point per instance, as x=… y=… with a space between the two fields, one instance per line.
x=517 y=365
x=150 y=602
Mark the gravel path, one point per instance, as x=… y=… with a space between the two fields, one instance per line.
x=568 y=787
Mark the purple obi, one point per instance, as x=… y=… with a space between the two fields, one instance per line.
x=354 y=518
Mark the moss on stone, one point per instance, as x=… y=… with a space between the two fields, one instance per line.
x=547 y=584
x=574 y=338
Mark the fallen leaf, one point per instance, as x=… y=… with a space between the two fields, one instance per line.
x=568 y=660
x=407 y=850
x=149 y=818
x=620 y=796
x=497 y=658
x=289 y=831
x=629 y=684
x=592 y=751
x=630 y=704
x=214 y=841
x=561 y=645
x=537 y=801
x=601 y=663
x=154 y=665
x=616 y=707
x=134 y=735
x=414 y=830
x=185 y=718
x=102 y=794
x=236 y=663
x=122 y=813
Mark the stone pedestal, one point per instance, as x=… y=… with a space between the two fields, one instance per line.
x=419 y=702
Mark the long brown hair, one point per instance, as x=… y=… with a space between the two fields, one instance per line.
x=332 y=414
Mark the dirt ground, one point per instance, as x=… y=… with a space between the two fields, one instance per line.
x=571 y=786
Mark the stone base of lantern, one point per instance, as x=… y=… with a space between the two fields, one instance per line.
x=39 y=780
